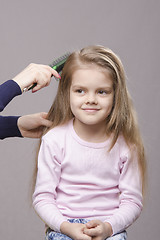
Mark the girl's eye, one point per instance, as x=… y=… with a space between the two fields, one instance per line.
x=102 y=92
x=80 y=91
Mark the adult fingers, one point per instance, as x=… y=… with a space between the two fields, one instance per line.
x=55 y=73
x=44 y=121
x=43 y=76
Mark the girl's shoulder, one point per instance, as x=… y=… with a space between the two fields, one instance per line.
x=57 y=133
x=121 y=141
x=125 y=150
x=122 y=146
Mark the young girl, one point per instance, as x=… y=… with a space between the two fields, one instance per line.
x=91 y=163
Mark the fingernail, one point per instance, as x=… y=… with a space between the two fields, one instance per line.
x=59 y=76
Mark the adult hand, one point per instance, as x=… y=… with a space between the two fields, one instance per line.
x=74 y=231
x=35 y=73
x=31 y=125
x=98 y=230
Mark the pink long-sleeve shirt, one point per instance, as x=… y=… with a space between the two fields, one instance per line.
x=79 y=179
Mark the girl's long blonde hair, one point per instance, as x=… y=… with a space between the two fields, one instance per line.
x=122 y=119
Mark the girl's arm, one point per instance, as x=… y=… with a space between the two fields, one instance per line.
x=48 y=175
x=130 y=200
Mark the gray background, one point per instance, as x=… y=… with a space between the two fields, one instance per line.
x=39 y=31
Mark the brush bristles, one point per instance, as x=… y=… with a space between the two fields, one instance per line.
x=60 y=61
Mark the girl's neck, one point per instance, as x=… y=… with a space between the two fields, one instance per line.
x=90 y=133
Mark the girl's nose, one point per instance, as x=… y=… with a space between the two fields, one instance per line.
x=91 y=99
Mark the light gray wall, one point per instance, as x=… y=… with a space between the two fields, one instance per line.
x=39 y=31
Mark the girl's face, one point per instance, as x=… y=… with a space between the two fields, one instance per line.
x=91 y=96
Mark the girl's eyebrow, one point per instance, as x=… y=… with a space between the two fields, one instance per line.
x=105 y=88
x=78 y=86
x=98 y=88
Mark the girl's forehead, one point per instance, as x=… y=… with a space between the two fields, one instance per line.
x=92 y=67
x=91 y=76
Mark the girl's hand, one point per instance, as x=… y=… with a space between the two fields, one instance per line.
x=35 y=73
x=74 y=231
x=31 y=125
x=98 y=230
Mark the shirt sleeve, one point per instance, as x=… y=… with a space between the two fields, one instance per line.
x=8 y=91
x=8 y=127
x=130 y=187
x=48 y=175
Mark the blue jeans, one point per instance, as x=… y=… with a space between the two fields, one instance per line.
x=51 y=235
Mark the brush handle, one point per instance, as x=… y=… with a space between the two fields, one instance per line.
x=59 y=66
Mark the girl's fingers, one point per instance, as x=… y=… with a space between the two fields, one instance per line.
x=92 y=224
x=92 y=232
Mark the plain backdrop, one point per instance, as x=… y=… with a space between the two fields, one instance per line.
x=40 y=31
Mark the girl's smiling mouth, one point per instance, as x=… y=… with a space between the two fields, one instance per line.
x=91 y=110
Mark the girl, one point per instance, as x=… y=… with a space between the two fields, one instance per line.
x=91 y=163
